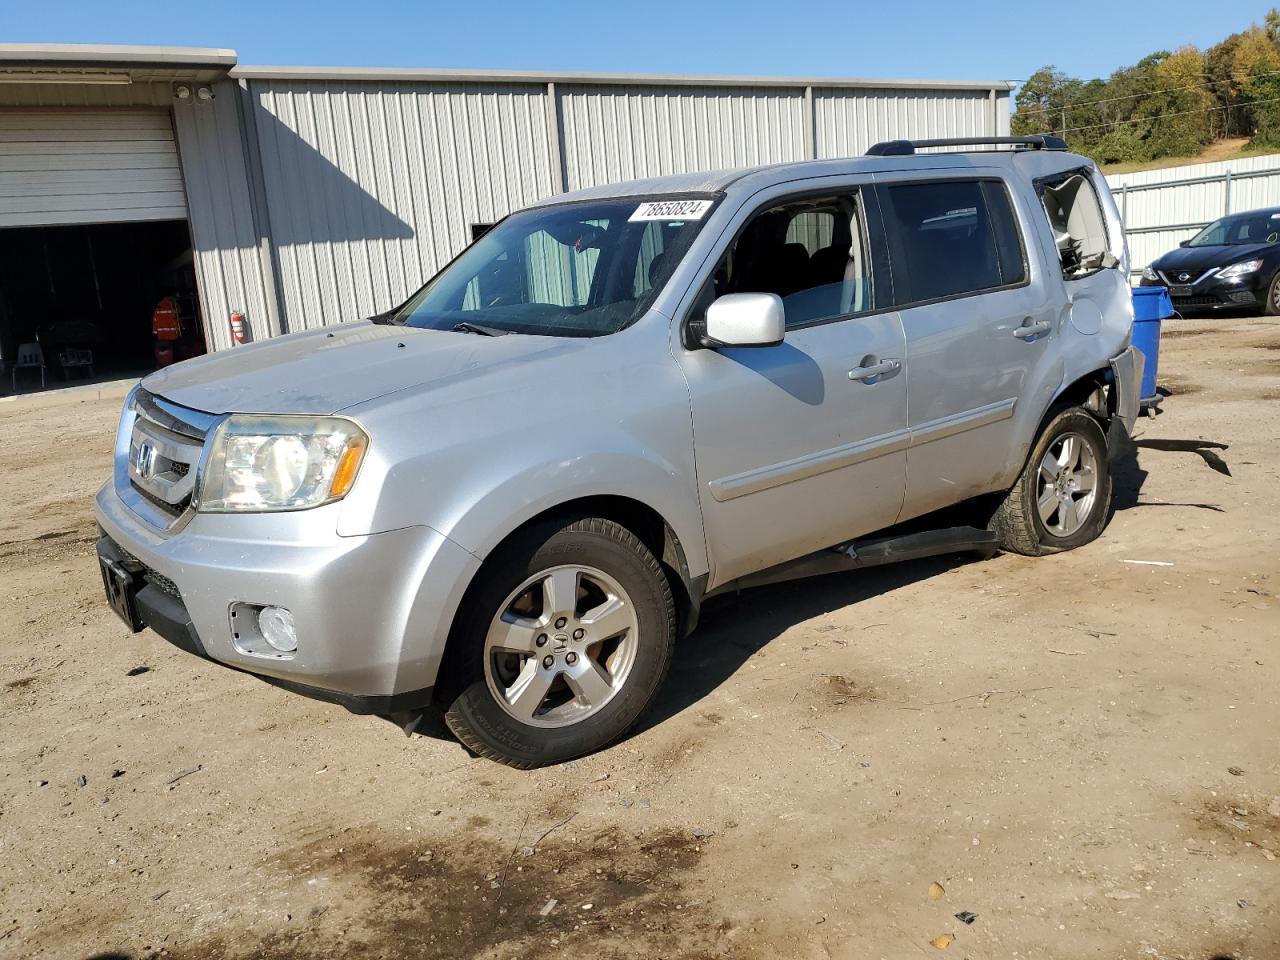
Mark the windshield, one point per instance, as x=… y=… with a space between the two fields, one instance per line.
x=573 y=270
x=1239 y=228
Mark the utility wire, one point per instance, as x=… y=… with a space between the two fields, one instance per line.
x=1058 y=107
x=1165 y=116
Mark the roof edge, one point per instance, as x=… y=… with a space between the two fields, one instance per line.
x=113 y=54
x=414 y=74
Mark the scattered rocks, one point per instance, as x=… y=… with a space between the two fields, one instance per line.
x=548 y=907
x=1235 y=771
x=137 y=671
x=701 y=833
x=936 y=891
x=966 y=916
x=82 y=781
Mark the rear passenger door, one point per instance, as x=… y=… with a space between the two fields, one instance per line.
x=978 y=324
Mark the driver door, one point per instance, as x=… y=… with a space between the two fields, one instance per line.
x=801 y=445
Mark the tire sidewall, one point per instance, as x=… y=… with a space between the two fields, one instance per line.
x=1272 y=309
x=635 y=569
x=1083 y=424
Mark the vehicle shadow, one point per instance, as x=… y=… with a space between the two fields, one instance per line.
x=1128 y=475
x=734 y=627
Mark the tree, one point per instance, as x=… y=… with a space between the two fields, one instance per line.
x=1168 y=104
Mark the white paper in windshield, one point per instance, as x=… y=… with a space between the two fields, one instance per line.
x=671 y=210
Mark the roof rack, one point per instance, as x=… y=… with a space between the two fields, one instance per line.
x=905 y=148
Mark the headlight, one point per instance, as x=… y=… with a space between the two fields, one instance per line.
x=1149 y=273
x=280 y=463
x=1239 y=269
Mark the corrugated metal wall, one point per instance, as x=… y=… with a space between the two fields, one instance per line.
x=848 y=121
x=372 y=187
x=1180 y=207
x=613 y=132
x=227 y=242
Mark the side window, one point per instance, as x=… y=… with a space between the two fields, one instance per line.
x=812 y=253
x=949 y=241
x=1079 y=230
x=1004 y=223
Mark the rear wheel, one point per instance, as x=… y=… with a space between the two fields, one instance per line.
x=1063 y=497
x=562 y=643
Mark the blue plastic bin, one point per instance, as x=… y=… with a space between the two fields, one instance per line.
x=1150 y=306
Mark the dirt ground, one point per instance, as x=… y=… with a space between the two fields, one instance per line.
x=1080 y=750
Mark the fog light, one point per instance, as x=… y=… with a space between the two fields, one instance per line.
x=276 y=625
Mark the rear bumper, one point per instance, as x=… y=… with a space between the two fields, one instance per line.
x=372 y=612
x=1126 y=372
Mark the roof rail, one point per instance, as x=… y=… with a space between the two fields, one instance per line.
x=905 y=148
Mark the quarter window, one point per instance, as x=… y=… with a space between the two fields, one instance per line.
x=812 y=253
x=1079 y=230
x=951 y=238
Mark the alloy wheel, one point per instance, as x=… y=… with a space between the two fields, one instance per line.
x=1066 y=486
x=561 y=646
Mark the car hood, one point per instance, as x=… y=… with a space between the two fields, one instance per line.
x=1196 y=260
x=324 y=371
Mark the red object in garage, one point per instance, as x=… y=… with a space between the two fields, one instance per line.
x=239 y=333
x=166 y=323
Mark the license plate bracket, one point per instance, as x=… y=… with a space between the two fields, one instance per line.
x=121 y=586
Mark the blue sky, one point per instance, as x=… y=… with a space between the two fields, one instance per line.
x=948 y=40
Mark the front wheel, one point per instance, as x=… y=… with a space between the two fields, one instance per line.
x=562 y=643
x=1273 y=297
x=1063 y=497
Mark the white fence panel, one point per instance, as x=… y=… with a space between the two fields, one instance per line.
x=1160 y=208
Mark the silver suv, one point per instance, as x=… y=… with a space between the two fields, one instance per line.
x=507 y=498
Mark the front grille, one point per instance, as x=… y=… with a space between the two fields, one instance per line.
x=164 y=450
x=172 y=509
x=1171 y=277
x=151 y=575
x=1197 y=301
x=162 y=582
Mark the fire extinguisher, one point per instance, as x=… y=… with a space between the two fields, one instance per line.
x=239 y=333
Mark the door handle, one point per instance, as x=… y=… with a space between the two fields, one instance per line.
x=1029 y=330
x=875 y=370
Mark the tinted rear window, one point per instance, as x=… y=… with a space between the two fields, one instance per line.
x=952 y=238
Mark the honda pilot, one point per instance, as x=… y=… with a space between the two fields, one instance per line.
x=506 y=499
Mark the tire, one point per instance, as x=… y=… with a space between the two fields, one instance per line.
x=1022 y=526
x=530 y=678
x=1272 y=307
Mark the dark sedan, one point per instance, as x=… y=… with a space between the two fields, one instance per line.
x=1232 y=264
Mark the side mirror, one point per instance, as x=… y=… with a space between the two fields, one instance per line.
x=745 y=320
x=1184 y=243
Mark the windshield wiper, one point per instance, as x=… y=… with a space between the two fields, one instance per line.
x=466 y=326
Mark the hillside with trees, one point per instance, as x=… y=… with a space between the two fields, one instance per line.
x=1168 y=104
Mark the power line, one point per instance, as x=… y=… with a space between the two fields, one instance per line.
x=1057 y=107
x=1165 y=116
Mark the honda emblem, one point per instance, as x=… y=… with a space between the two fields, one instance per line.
x=144 y=461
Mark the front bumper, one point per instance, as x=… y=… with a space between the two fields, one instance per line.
x=372 y=612
x=1209 y=294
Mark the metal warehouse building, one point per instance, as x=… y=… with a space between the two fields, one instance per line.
x=306 y=196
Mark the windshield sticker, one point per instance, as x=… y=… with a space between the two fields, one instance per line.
x=671 y=210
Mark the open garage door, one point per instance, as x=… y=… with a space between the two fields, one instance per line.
x=88 y=166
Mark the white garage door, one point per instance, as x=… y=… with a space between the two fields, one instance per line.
x=88 y=166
